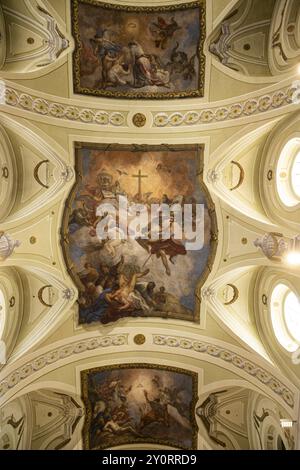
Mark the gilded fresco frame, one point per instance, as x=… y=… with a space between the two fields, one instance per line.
x=78 y=89
x=199 y=149
x=84 y=374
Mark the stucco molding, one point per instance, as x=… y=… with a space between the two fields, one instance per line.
x=244 y=108
x=14 y=377
x=220 y=113
x=228 y=356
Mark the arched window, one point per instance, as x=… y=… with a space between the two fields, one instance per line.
x=288 y=173
x=285 y=315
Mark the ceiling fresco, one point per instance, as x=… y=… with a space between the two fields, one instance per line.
x=138 y=52
x=135 y=268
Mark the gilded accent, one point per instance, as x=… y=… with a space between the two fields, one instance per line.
x=139 y=339
x=36 y=174
x=235 y=295
x=139 y=120
x=5 y=172
x=40 y=296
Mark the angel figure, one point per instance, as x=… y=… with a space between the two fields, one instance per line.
x=162 y=31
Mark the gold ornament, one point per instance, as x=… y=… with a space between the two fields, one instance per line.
x=139 y=339
x=139 y=120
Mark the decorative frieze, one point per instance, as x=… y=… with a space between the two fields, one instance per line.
x=57 y=355
x=236 y=360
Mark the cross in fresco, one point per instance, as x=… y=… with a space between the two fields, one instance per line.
x=140 y=176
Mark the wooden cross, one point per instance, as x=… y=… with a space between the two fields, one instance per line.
x=140 y=176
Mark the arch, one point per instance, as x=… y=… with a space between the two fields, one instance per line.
x=35 y=327
x=42 y=419
x=237 y=316
x=236 y=415
x=8 y=175
x=120 y=347
x=220 y=178
x=268 y=433
x=288 y=173
x=257 y=42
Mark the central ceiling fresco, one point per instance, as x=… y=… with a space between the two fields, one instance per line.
x=136 y=269
x=138 y=52
x=149 y=181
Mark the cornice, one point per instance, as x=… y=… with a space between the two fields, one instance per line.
x=31 y=103
x=244 y=108
x=113 y=114
x=203 y=348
